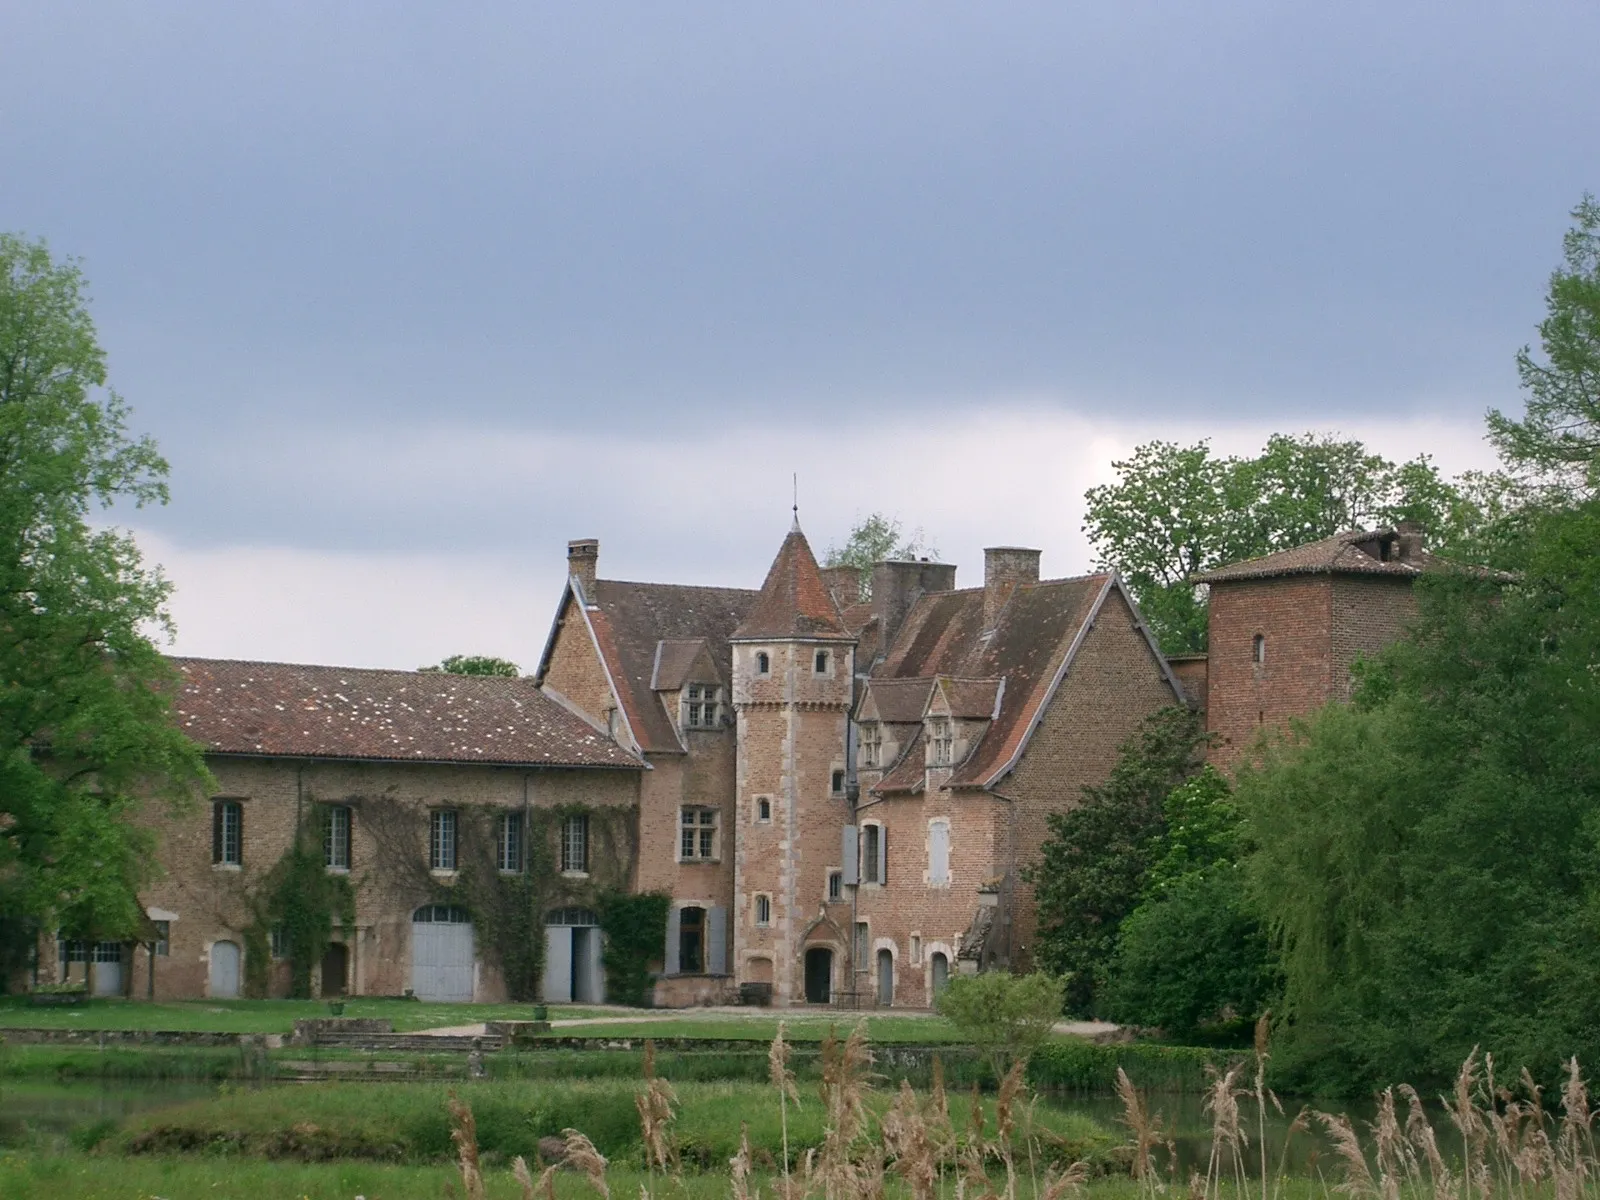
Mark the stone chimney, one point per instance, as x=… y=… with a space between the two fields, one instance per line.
x=844 y=584
x=1003 y=568
x=896 y=584
x=583 y=559
x=1408 y=542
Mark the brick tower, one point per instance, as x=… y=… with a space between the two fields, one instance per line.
x=793 y=686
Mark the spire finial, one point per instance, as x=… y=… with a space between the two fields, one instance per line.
x=796 y=500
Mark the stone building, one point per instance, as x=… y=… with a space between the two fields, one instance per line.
x=1286 y=629
x=434 y=796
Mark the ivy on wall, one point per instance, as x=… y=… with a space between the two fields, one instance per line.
x=305 y=902
x=635 y=931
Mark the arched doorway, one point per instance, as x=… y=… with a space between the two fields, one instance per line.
x=819 y=975
x=885 y=978
x=224 y=970
x=939 y=969
x=335 y=969
x=443 y=961
x=573 y=972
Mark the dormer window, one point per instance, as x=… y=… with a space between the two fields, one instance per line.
x=819 y=665
x=702 y=706
x=763 y=663
x=1258 y=650
x=941 y=741
x=871 y=744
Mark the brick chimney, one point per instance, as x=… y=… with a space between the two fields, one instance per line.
x=844 y=584
x=1003 y=568
x=583 y=559
x=896 y=584
x=1408 y=542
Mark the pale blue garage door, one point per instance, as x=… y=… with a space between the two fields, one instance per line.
x=443 y=962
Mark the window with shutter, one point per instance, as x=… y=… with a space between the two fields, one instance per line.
x=227 y=833
x=938 y=853
x=871 y=845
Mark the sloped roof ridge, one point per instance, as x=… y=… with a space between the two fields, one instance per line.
x=688 y=587
x=794 y=602
x=305 y=666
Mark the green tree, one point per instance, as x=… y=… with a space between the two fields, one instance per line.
x=1428 y=860
x=1193 y=953
x=1176 y=511
x=872 y=541
x=1093 y=865
x=1558 y=438
x=1006 y=1017
x=85 y=728
x=476 y=664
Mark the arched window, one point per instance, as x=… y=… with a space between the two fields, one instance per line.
x=763 y=909
x=1258 y=650
x=763 y=663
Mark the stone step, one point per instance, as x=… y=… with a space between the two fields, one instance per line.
x=420 y=1043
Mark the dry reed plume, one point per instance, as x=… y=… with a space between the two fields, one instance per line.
x=464 y=1133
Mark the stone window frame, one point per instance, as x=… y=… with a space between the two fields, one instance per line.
x=822 y=663
x=763 y=663
x=1258 y=650
x=444 y=849
x=574 y=836
x=227 y=854
x=870 y=742
x=874 y=867
x=949 y=847
x=698 y=851
x=914 y=948
x=700 y=706
x=835 y=886
x=510 y=837
x=162 y=945
x=759 y=902
x=336 y=857
x=941 y=742
x=838 y=782
x=861 y=946
x=756 y=809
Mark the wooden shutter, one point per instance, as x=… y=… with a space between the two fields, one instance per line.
x=850 y=853
x=716 y=941
x=674 y=925
x=216 y=831
x=883 y=855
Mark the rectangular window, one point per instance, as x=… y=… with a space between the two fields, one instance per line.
x=697 y=840
x=163 y=938
x=861 y=945
x=763 y=909
x=278 y=942
x=336 y=836
x=836 y=783
x=575 y=842
x=763 y=810
x=871 y=744
x=942 y=742
x=835 y=886
x=702 y=706
x=691 y=940
x=442 y=839
x=872 y=854
x=227 y=833
x=820 y=666
x=916 y=948
x=508 y=851
x=938 y=853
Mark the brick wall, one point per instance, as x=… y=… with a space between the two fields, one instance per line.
x=211 y=901
x=575 y=670
x=1368 y=614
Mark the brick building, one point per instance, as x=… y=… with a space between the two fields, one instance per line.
x=1286 y=629
x=851 y=813
x=419 y=788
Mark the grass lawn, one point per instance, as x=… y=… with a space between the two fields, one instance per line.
x=254 y=1016
x=802 y=1027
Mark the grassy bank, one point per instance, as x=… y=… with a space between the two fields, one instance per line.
x=409 y=1123
x=256 y=1016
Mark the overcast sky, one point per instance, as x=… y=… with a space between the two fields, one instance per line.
x=412 y=294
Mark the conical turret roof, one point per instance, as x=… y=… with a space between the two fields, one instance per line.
x=793 y=602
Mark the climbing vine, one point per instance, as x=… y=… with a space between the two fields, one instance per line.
x=635 y=929
x=304 y=901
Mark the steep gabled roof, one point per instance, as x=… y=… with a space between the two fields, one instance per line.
x=303 y=711
x=908 y=774
x=971 y=699
x=1354 y=553
x=630 y=620
x=898 y=701
x=1034 y=637
x=684 y=660
x=794 y=602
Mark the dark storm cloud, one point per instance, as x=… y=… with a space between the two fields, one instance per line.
x=307 y=220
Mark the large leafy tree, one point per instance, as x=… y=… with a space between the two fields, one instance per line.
x=85 y=728
x=1428 y=860
x=1558 y=438
x=475 y=664
x=1175 y=511
x=1093 y=865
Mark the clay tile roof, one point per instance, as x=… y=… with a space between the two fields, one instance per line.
x=1354 y=553
x=908 y=774
x=900 y=701
x=304 y=711
x=943 y=635
x=630 y=619
x=675 y=659
x=794 y=602
x=971 y=699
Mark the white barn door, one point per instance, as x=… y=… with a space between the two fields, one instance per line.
x=557 y=964
x=443 y=959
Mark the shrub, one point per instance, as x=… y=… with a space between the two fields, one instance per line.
x=1006 y=1017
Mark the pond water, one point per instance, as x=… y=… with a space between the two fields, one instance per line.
x=29 y=1110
